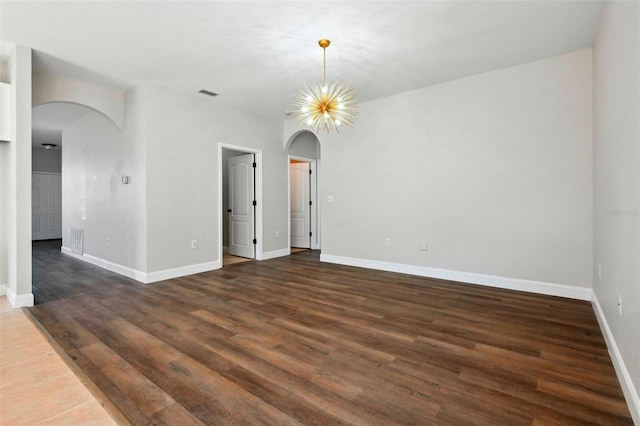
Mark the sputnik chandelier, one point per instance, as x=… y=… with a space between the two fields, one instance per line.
x=325 y=106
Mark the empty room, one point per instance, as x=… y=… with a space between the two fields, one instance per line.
x=320 y=213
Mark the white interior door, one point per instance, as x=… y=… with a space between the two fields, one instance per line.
x=242 y=212
x=300 y=206
x=46 y=205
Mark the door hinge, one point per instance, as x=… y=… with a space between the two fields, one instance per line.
x=254 y=165
x=255 y=203
x=310 y=171
x=311 y=234
x=255 y=241
x=310 y=202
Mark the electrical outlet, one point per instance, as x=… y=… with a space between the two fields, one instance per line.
x=387 y=242
x=423 y=246
x=620 y=304
x=194 y=244
x=277 y=234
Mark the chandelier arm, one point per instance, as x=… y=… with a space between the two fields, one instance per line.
x=328 y=106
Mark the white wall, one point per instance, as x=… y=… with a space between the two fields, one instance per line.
x=4 y=72
x=4 y=196
x=617 y=187
x=305 y=145
x=183 y=132
x=493 y=171
x=15 y=226
x=46 y=160
x=54 y=88
x=5 y=200
x=95 y=156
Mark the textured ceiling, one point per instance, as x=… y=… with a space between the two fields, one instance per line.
x=256 y=54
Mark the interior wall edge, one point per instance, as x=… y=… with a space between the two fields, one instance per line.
x=629 y=390
x=274 y=253
x=167 y=274
x=19 y=300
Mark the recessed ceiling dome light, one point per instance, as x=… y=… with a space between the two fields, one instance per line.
x=49 y=145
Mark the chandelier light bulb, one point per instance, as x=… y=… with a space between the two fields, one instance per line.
x=325 y=105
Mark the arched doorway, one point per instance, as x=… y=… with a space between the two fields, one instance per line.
x=75 y=152
x=304 y=155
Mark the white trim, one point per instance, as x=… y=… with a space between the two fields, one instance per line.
x=314 y=166
x=318 y=203
x=181 y=271
x=259 y=234
x=275 y=253
x=629 y=390
x=5 y=118
x=19 y=300
x=3 y=289
x=105 y=264
x=552 y=289
x=143 y=277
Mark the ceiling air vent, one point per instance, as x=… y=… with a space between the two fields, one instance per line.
x=206 y=92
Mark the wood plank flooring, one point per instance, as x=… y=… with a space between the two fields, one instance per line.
x=296 y=341
x=228 y=259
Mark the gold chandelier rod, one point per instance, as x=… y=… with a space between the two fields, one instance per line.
x=324 y=43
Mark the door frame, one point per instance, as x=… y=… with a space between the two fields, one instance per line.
x=314 y=194
x=258 y=194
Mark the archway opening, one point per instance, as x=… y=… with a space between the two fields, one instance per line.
x=74 y=154
x=304 y=156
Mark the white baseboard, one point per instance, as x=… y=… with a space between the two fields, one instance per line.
x=3 y=289
x=628 y=388
x=105 y=264
x=561 y=290
x=167 y=274
x=275 y=253
x=144 y=277
x=225 y=249
x=19 y=300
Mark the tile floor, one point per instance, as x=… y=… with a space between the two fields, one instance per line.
x=36 y=386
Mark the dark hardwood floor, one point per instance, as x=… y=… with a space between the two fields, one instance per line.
x=296 y=341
